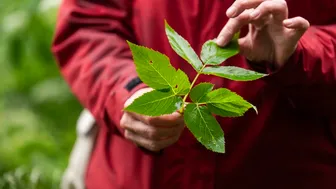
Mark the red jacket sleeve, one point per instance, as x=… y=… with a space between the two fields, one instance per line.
x=309 y=77
x=94 y=58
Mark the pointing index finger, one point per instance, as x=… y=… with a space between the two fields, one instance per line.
x=232 y=27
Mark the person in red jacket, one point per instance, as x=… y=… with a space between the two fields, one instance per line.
x=290 y=144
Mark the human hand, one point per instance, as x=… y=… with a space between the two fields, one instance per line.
x=272 y=36
x=152 y=133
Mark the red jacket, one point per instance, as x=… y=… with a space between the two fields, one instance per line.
x=290 y=144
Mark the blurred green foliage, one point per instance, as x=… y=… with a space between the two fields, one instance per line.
x=37 y=111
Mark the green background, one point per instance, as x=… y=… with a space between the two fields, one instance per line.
x=37 y=111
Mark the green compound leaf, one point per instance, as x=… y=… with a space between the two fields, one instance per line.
x=156 y=103
x=204 y=127
x=212 y=54
x=233 y=73
x=183 y=48
x=155 y=70
x=226 y=103
x=198 y=93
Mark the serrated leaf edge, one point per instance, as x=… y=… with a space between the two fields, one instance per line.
x=261 y=74
x=170 y=41
x=252 y=106
x=150 y=49
x=213 y=138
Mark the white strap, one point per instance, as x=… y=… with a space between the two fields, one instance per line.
x=74 y=176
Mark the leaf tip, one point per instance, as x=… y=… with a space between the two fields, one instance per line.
x=220 y=149
x=265 y=75
x=130 y=44
x=255 y=109
x=167 y=25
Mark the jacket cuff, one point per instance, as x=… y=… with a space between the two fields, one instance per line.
x=116 y=105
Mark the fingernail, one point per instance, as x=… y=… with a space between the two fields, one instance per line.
x=231 y=12
x=221 y=41
x=255 y=14
x=218 y=40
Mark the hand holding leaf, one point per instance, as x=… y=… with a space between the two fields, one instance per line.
x=152 y=133
x=172 y=87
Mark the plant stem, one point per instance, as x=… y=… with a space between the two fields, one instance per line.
x=191 y=86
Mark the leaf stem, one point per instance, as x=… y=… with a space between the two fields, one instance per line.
x=191 y=86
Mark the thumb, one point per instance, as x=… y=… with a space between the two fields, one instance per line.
x=136 y=95
x=296 y=26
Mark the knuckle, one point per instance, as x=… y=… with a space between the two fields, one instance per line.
x=153 y=146
x=270 y=6
x=229 y=30
x=242 y=3
x=150 y=120
x=127 y=135
x=243 y=18
x=280 y=4
x=152 y=133
x=266 y=6
x=174 y=139
x=283 y=3
x=124 y=120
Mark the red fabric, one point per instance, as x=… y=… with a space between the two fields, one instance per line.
x=291 y=142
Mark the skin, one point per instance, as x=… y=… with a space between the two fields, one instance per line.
x=272 y=37
x=152 y=133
